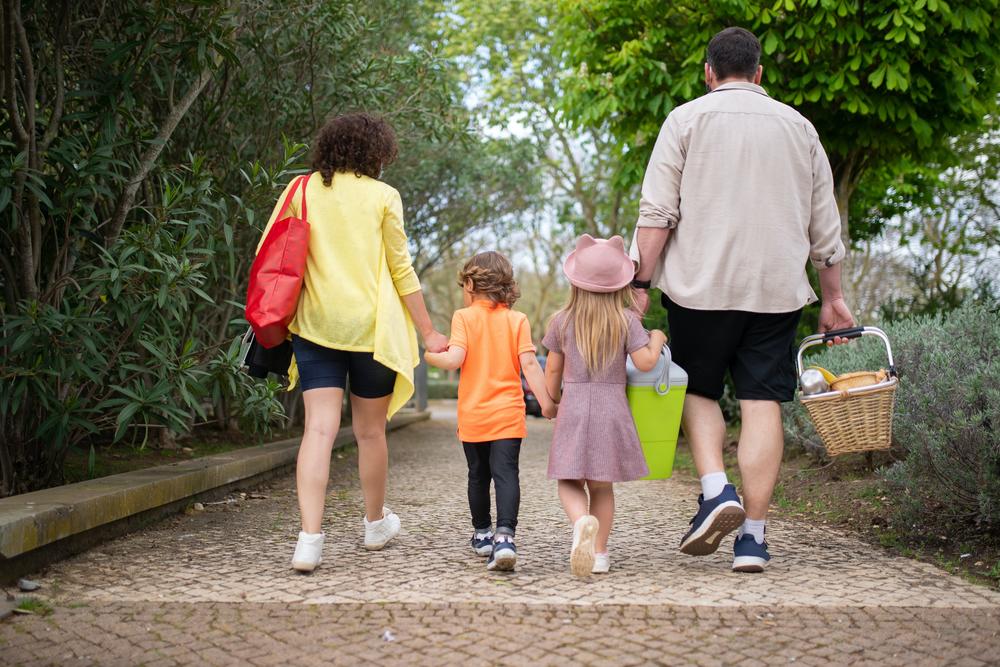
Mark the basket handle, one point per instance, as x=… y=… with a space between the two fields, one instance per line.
x=850 y=333
x=853 y=332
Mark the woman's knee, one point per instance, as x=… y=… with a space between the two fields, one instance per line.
x=369 y=432
x=322 y=428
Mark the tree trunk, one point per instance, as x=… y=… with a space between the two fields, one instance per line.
x=842 y=192
x=152 y=154
x=845 y=182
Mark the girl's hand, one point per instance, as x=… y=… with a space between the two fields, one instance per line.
x=551 y=410
x=658 y=337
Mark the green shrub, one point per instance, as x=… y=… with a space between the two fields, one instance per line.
x=442 y=389
x=947 y=414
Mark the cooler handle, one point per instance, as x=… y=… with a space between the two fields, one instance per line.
x=663 y=382
x=853 y=332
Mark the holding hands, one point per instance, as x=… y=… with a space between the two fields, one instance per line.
x=435 y=341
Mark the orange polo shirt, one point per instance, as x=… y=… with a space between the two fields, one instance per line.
x=490 y=398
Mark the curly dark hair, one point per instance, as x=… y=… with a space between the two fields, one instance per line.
x=492 y=276
x=358 y=142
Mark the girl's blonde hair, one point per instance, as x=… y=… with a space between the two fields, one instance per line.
x=492 y=276
x=599 y=324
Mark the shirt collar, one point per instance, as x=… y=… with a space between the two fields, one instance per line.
x=487 y=303
x=742 y=85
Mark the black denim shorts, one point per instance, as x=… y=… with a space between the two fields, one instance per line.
x=758 y=350
x=321 y=367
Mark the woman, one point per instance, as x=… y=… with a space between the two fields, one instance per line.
x=360 y=301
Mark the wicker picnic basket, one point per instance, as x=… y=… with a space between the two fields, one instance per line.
x=858 y=419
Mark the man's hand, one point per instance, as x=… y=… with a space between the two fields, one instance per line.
x=834 y=314
x=435 y=341
x=641 y=300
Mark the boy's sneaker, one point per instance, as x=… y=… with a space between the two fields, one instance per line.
x=482 y=543
x=308 y=552
x=581 y=558
x=748 y=555
x=602 y=563
x=378 y=533
x=504 y=554
x=715 y=519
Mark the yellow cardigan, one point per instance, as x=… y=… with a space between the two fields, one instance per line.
x=357 y=269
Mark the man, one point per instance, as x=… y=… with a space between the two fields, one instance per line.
x=741 y=188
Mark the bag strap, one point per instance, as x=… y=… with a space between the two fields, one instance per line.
x=301 y=180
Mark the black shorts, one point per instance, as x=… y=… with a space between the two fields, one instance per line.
x=321 y=367
x=758 y=350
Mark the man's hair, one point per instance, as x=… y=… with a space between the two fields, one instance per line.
x=734 y=52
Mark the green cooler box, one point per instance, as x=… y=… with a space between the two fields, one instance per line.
x=656 y=399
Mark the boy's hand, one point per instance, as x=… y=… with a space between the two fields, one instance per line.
x=550 y=411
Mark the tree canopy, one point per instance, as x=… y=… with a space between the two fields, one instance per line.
x=880 y=79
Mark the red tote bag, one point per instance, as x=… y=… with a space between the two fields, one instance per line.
x=277 y=273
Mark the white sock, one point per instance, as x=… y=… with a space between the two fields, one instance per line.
x=753 y=527
x=713 y=483
x=311 y=537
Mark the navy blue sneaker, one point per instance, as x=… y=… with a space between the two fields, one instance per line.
x=482 y=543
x=748 y=555
x=504 y=556
x=715 y=519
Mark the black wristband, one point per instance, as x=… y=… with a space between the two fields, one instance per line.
x=641 y=284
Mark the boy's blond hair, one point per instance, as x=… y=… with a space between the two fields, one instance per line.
x=599 y=324
x=492 y=276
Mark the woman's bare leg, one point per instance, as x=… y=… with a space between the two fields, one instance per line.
x=368 y=418
x=312 y=470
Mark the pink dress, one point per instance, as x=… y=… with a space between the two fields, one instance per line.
x=595 y=435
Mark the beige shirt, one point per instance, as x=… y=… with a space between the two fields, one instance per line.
x=747 y=188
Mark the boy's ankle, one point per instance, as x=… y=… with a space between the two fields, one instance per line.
x=505 y=534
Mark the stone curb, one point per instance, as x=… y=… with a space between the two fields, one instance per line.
x=41 y=520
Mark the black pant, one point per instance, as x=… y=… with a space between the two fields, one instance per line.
x=496 y=460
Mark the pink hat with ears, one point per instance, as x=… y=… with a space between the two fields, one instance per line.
x=599 y=265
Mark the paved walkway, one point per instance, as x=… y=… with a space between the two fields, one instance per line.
x=215 y=588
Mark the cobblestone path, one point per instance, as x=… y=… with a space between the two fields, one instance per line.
x=215 y=587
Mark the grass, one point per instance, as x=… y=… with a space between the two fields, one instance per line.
x=34 y=606
x=112 y=459
x=848 y=494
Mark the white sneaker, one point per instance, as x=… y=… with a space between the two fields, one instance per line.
x=602 y=563
x=378 y=533
x=581 y=558
x=308 y=552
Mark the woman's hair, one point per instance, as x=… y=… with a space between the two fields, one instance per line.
x=357 y=142
x=492 y=276
x=599 y=324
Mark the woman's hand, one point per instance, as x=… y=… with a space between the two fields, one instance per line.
x=434 y=341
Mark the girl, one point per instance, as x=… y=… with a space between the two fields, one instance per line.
x=595 y=441
x=492 y=345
